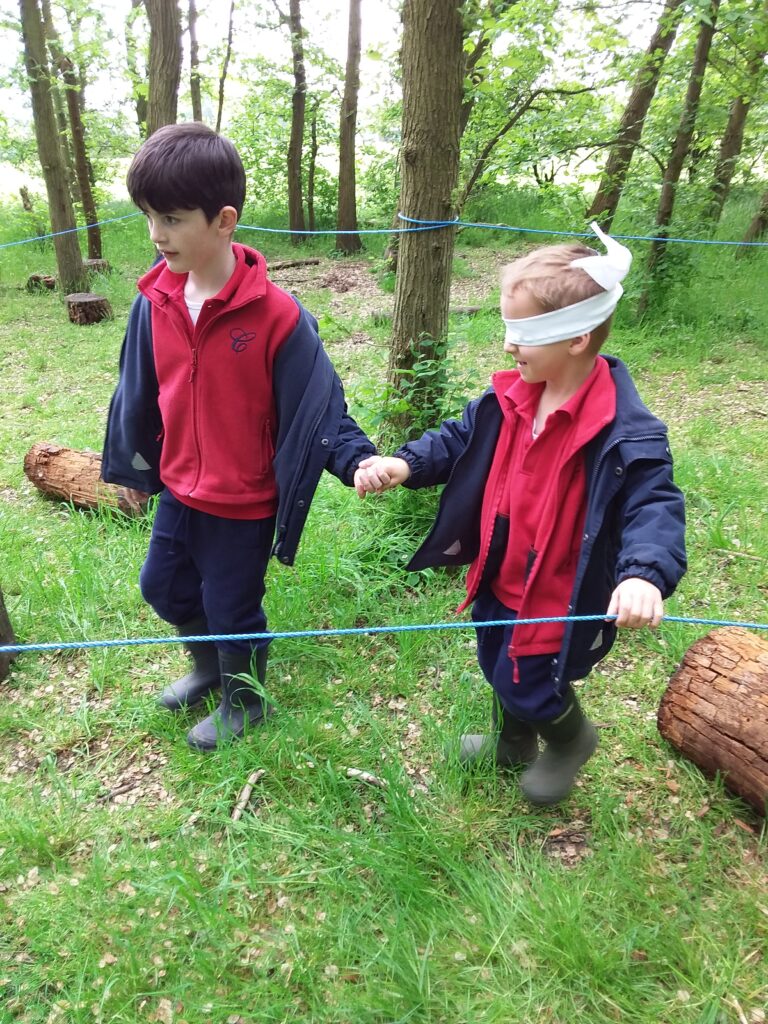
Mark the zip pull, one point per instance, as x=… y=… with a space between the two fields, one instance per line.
x=515 y=670
x=193 y=370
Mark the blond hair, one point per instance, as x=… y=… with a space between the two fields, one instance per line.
x=545 y=274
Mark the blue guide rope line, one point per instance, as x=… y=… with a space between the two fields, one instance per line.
x=352 y=631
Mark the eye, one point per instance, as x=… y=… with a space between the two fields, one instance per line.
x=170 y=221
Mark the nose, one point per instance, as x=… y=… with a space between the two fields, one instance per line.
x=155 y=231
x=511 y=347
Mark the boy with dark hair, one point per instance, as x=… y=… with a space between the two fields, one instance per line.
x=559 y=492
x=227 y=404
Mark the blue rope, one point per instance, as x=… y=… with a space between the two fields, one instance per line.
x=69 y=231
x=352 y=631
x=427 y=225
x=572 y=234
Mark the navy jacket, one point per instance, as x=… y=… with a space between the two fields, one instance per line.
x=314 y=430
x=635 y=519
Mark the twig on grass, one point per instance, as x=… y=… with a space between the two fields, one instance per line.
x=245 y=793
x=367 y=777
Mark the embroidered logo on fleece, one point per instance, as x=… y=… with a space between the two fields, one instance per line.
x=241 y=339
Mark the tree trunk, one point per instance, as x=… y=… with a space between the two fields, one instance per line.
x=298 y=111
x=73 y=476
x=77 y=133
x=432 y=71
x=603 y=208
x=68 y=258
x=757 y=226
x=680 y=150
x=715 y=711
x=312 y=166
x=733 y=137
x=225 y=65
x=164 y=62
x=194 y=65
x=7 y=637
x=138 y=79
x=346 y=219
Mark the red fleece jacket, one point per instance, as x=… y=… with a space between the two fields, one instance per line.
x=215 y=380
x=540 y=485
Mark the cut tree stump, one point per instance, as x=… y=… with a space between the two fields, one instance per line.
x=715 y=711
x=97 y=266
x=7 y=636
x=39 y=282
x=71 y=475
x=87 y=308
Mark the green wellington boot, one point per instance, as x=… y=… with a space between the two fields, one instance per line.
x=204 y=677
x=570 y=740
x=241 y=706
x=512 y=743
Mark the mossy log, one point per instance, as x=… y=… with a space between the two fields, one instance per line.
x=715 y=710
x=87 y=308
x=71 y=475
x=7 y=636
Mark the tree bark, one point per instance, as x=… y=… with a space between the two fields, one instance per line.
x=194 y=65
x=757 y=226
x=432 y=71
x=225 y=65
x=314 y=148
x=715 y=711
x=7 y=637
x=298 y=111
x=733 y=137
x=164 y=62
x=680 y=149
x=346 y=219
x=87 y=308
x=603 y=208
x=137 y=78
x=66 y=474
x=75 y=106
x=68 y=258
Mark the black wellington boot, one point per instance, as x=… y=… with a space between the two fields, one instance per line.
x=571 y=740
x=241 y=706
x=204 y=677
x=512 y=743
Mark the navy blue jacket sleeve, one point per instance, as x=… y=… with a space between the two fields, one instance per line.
x=432 y=457
x=131 y=455
x=652 y=524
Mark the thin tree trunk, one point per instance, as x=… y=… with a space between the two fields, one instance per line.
x=680 y=149
x=164 y=62
x=136 y=77
x=733 y=137
x=194 y=65
x=68 y=258
x=225 y=66
x=77 y=132
x=312 y=166
x=603 y=208
x=757 y=226
x=7 y=638
x=432 y=65
x=346 y=219
x=298 y=111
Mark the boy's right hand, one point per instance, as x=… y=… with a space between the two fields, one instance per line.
x=136 y=500
x=377 y=474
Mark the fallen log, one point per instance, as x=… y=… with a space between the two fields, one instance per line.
x=71 y=475
x=285 y=264
x=39 y=282
x=715 y=711
x=87 y=308
x=7 y=636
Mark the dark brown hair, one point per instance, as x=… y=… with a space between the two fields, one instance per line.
x=187 y=166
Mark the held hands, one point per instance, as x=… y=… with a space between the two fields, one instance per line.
x=377 y=474
x=636 y=603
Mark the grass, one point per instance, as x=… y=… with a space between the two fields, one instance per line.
x=128 y=892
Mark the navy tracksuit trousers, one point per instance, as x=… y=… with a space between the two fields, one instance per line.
x=535 y=698
x=203 y=565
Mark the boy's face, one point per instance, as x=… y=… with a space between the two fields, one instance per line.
x=185 y=238
x=536 y=363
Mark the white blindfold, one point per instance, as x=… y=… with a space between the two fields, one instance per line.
x=608 y=270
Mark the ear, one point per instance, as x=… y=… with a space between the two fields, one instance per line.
x=579 y=345
x=227 y=219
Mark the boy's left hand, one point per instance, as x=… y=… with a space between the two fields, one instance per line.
x=636 y=603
